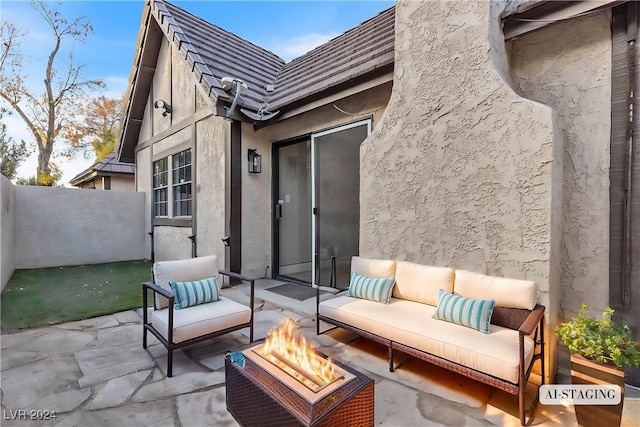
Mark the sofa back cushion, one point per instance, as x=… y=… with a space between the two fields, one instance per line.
x=512 y=293
x=376 y=268
x=422 y=283
x=184 y=270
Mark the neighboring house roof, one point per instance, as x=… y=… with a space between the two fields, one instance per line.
x=212 y=53
x=106 y=167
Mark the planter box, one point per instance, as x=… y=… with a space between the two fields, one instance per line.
x=589 y=372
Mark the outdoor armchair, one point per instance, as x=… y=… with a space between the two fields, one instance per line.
x=187 y=306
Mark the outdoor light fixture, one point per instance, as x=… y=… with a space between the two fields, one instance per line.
x=255 y=161
x=226 y=240
x=163 y=104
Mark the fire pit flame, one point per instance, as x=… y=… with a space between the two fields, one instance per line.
x=291 y=349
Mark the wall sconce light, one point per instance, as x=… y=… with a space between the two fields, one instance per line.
x=226 y=240
x=163 y=104
x=255 y=161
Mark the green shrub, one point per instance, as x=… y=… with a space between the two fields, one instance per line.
x=599 y=339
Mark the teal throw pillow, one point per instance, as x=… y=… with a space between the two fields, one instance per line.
x=196 y=292
x=473 y=313
x=370 y=288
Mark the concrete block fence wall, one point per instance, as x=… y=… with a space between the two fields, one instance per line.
x=50 y=227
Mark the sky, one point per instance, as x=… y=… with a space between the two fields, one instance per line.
x=287 y=28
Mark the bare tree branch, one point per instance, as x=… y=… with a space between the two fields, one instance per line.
x=53 y=114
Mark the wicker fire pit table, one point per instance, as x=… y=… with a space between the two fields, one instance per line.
x=264 y=397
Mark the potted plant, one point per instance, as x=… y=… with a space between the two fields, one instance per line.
x=600 y=349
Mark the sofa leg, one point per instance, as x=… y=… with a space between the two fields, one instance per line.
x=391 y=368
x=521 y=406
x=169 y=363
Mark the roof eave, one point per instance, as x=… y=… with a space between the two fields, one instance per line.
x=536 y=15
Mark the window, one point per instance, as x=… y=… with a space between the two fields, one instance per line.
x=172 y=198
x=182 y=183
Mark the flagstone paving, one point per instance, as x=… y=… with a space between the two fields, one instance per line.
x=95 y=373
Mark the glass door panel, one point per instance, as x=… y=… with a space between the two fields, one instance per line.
x=293 y=211
x=336 y=198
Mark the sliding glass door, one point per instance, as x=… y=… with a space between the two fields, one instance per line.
x=317 y=205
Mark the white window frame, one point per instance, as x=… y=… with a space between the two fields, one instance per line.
x=172 y=184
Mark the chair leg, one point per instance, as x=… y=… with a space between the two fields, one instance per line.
x=144 y=336
x=169 y=362
x=391 y=368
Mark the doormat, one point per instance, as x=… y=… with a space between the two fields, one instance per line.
x=295 y=291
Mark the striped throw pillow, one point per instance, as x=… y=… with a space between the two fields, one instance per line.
x=473 y=313
x=197 y=292
x=370 y=288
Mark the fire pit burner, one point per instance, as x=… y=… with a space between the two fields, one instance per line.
x=257 y=395
x=294 y=377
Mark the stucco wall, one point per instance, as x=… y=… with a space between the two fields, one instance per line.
x=173 y=83
x=171 y=243
x=574 y=77
x=7 y=230
x=256 y=188
x=211 y=172
x=460 y=170
x=161 y=89
x=59 y=226
x=143 y=184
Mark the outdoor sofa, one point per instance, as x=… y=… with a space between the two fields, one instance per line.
x=403 y=319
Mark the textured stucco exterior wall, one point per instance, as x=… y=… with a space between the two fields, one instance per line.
x=59 y=226
x=209 y=190
x=143 y=184
x=174 y=83
x=183 y=90
x=369 y=103
x=256 y=207
x=574 y=77
x=161 y=88
x=7 y=230
x=257 y=188
x=171 y=243
x=460 y=170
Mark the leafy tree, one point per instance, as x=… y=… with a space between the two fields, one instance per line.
x=27 y=181
x=98 y=134
x=11 y=152
x=50 y=114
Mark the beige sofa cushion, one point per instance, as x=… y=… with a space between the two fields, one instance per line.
x=378 y=268
x=512 y=293
x=421 y=283
x=201 y=319
x=184 y=270
x=410 y=323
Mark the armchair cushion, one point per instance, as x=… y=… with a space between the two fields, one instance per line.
x=473 y=313
x=201 y=319
x=183 y=270
x=195 y=292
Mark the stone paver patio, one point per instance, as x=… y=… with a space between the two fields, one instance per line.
x=96 y=373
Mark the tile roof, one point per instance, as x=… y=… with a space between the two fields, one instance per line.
x=107 y=166
x=212 y=53
x=361 y=50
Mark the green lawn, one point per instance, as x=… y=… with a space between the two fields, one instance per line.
x=46 y=296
